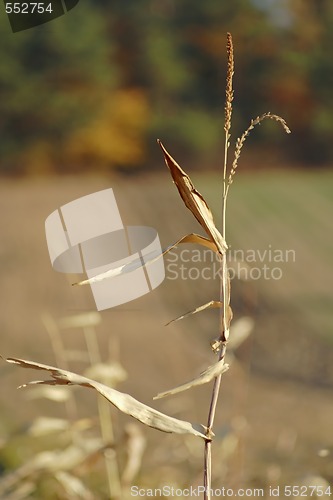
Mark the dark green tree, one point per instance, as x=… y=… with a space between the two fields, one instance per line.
x=52 y=79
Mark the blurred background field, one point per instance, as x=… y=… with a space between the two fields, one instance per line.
x=83 y=100
x=276 y=399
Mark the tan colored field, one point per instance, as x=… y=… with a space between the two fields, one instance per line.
x=276 y=400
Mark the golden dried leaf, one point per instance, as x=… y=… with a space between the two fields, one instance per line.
x=124 y=402
x=204 y=377
x=137 y=262
x=228 y=289
x=210 y=305
x=194 y=201
x=194 y=238
x=230 y=315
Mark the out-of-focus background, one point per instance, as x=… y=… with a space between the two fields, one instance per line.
x=82 y=100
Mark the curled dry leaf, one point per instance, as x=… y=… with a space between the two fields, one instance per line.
x=194 y=201
x=204 y=377
x=124 y=402
x=153 y=257
x=194 y=238
x=210 y=305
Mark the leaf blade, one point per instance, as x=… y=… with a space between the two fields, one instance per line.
x=194 y=201
x=124 y=402
x=137 y=263
x=209 y=305
x=206 y=376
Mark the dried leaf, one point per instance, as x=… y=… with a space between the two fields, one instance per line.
x=194 y=238
x=137 y=263
x=124 y=402
x=210 y=305
x=117 y=271
x=194 y=201
x=228 y=290
x=204 y=377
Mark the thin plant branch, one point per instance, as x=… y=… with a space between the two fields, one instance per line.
x=225 y=317
x=224 y=327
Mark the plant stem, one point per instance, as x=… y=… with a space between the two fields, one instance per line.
x=224 y=334
x=224 y=292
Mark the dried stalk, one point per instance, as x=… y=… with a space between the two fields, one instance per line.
x=225 y=317
x=224 y=295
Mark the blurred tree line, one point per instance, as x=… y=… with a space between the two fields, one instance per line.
x=95 y=88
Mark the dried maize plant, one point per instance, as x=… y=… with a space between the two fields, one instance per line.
x=195 y=202
x=217 y=242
